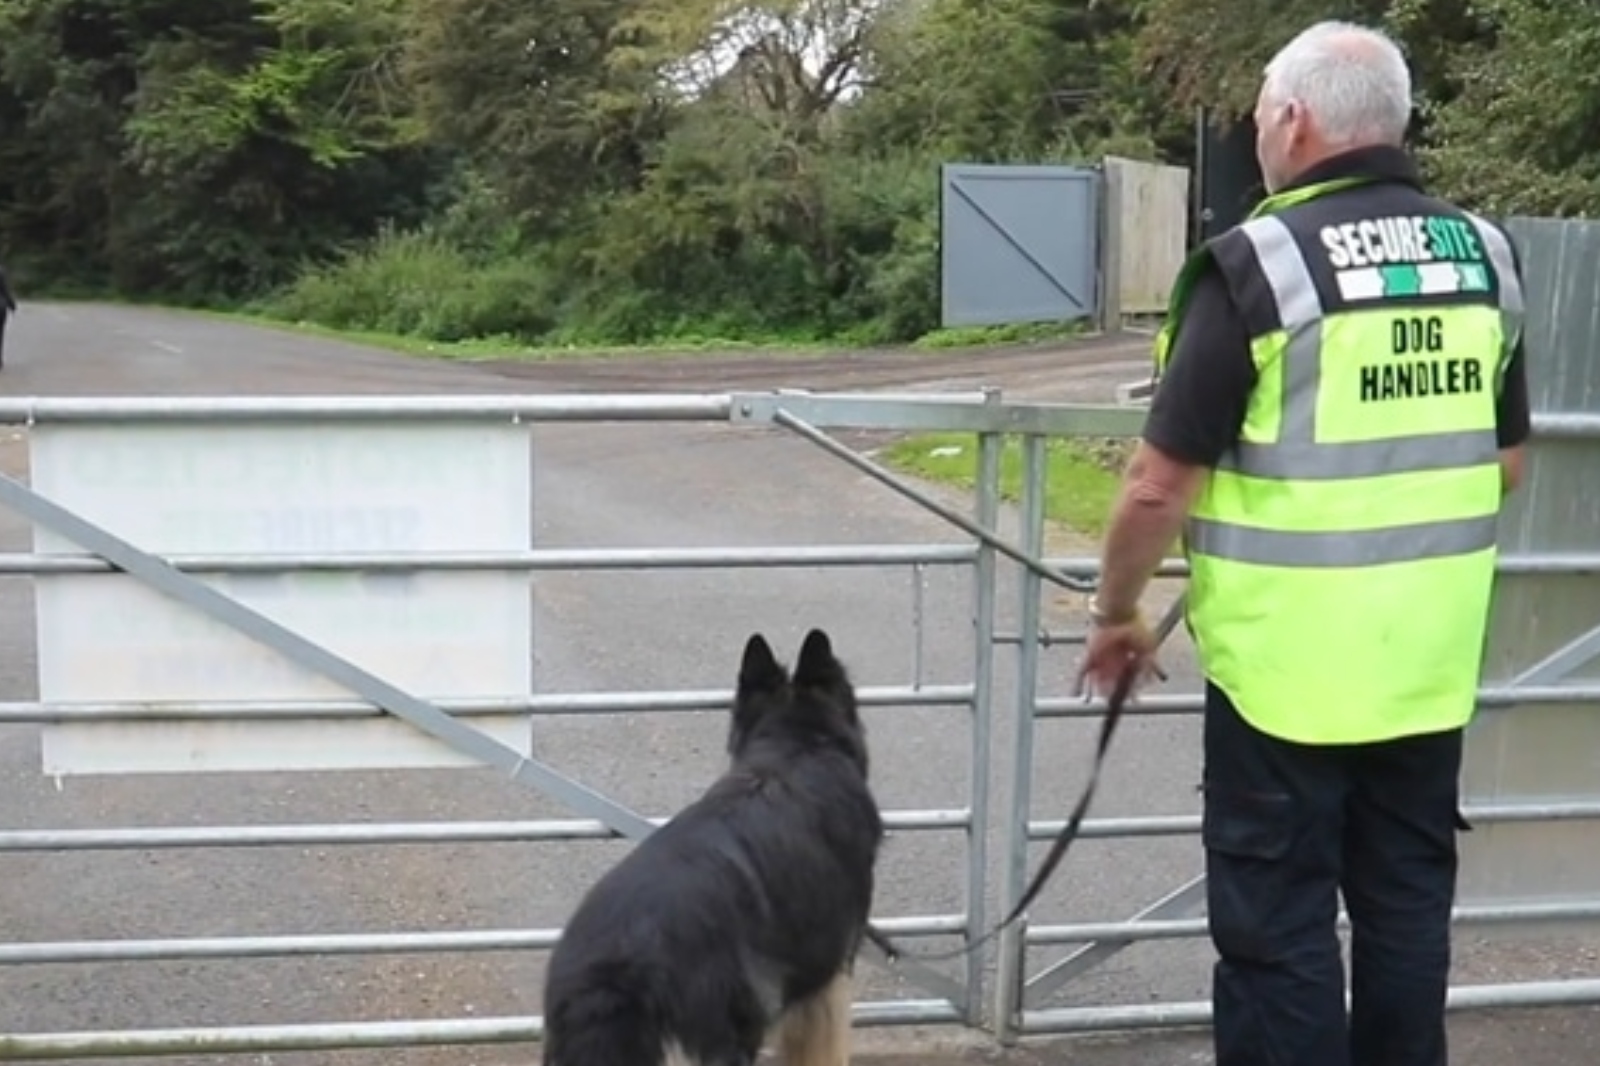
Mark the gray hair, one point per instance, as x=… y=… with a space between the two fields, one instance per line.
x=1352 y=79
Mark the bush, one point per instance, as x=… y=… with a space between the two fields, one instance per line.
x=419 y=285
x=852 y=257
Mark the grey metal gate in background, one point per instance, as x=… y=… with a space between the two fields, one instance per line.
x=1019 y=244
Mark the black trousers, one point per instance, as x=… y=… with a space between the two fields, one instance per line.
x=1286 y=829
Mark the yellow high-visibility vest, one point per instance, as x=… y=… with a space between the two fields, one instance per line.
x=1342 y=554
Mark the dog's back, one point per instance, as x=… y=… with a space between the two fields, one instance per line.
x=747 y=906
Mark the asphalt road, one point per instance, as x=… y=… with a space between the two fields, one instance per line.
x=615 y=485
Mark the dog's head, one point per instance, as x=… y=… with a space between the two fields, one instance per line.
x=817 y=701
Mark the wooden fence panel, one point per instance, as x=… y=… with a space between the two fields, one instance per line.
x=1147 y=228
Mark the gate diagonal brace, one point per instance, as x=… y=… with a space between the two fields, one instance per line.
x=164 y=578
x=780 y=415
x=191 y=591
x=1183 y=902
x=1555 y=667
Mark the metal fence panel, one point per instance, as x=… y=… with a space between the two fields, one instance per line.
x=1019 y=244
x=1546 y=626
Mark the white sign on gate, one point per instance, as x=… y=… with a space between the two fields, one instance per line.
x=396 y=488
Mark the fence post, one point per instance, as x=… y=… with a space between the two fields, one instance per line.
x=1010 y=972
x=987 y=506
x=1111 y=249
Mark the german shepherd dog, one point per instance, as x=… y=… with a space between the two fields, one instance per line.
x=740 y=918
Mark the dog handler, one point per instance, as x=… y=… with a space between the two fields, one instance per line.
x=1341 y=407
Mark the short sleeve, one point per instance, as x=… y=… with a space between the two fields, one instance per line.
x=1513 y=417
x=1200 y=401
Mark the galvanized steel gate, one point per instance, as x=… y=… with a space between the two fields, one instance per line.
x=124 y=502
x=1547 y=539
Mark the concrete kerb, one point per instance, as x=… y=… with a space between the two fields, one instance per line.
x=905 y=1047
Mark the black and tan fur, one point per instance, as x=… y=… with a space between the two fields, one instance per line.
x=738 y=921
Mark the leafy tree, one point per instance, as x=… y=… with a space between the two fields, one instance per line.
x=633 y=169
x=527 y=93
x=201 y=149
x=1211 y=52
x=994 y=97
x=1517 y=132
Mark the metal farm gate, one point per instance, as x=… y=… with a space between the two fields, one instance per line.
x=197 y=562
x=334 y=523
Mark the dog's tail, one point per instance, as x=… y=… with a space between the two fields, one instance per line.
x=602 y=1026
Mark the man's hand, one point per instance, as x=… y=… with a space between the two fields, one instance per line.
x=1114 y=649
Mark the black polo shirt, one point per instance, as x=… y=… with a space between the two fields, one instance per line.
x=1199 y=405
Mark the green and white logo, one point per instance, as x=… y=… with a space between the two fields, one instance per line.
x=1406 y=256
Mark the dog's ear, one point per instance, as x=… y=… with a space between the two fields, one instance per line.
x=762 y=681
x=760 y=670
x=817 y=665
x=827 y=697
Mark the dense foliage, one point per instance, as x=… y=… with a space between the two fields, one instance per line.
x=627 y=170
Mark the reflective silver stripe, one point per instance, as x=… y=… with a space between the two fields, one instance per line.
x=1304 y=461
x=1362 y=547
x=1300 y=314
x=1513 y=303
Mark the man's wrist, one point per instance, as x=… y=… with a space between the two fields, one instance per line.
x=1111 y=615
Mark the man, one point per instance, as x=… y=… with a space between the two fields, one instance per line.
x=1342 y=406
x=8 y=304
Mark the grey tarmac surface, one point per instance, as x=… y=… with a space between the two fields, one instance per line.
x=616 y=485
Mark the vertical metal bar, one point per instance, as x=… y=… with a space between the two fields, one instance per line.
x=919 y=576
x=1012 y=951
x=987 y=515
x=535 y=675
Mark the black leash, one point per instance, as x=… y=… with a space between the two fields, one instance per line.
x=1058 y=850
x=1115 y=706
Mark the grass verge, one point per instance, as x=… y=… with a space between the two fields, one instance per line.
x=985 y=336
x=1081 y=477
x=508 y=348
